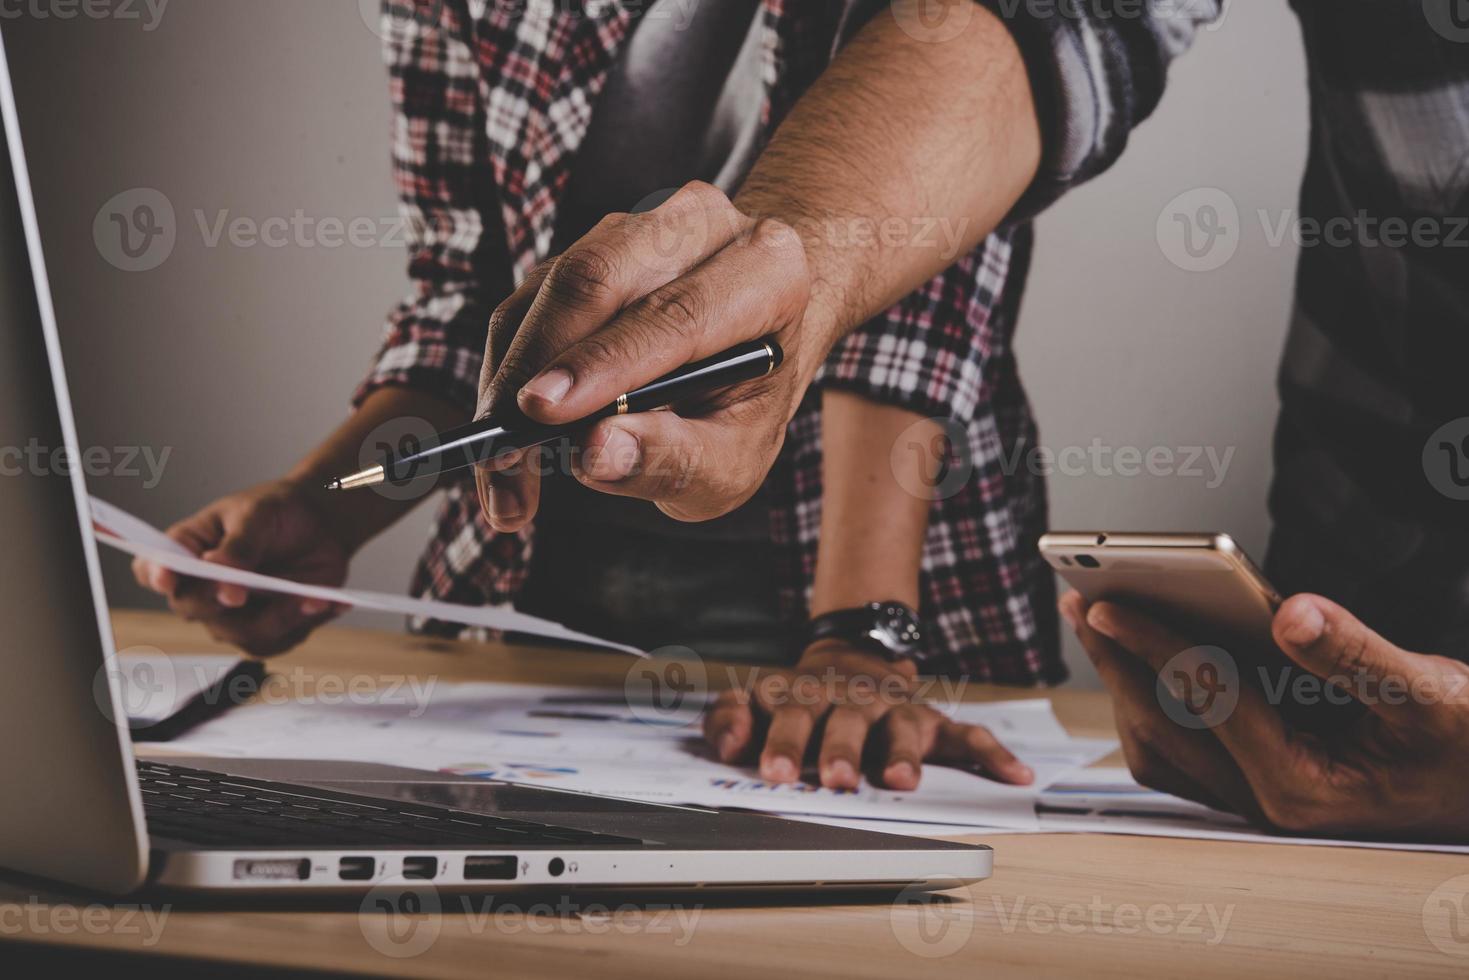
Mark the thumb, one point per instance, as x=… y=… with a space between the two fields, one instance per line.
x=694 y=469
x=238 y=549
x=1334 y=645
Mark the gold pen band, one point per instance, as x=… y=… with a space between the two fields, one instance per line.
x=370 y=477
x=622 y=407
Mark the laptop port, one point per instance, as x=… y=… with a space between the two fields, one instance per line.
x=420 y=867
x=279 y=869
x=356 y=868
x=490 y=867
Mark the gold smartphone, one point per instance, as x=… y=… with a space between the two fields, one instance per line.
x=1203 y=584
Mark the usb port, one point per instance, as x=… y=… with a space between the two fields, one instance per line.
x=356 y=868
x=490 y=867
x=420 y=867
x=273 y=869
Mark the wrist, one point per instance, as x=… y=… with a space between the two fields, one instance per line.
x=888 y=629
x=828 y=316
x=832 y=597
x=345 y=523
x=830 y=649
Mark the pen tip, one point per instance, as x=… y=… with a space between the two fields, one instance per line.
x=334 y=485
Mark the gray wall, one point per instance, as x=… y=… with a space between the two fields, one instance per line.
x=234 y=357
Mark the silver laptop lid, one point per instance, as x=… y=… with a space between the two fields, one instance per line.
x=69 y=802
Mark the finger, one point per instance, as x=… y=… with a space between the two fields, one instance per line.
x=841 y=748
x=1253 y=732
x=624 y=258
x=1334 y=645
x=1161 y=754
x=504 y=325
x=785 y=744
x=155 y=577
x=242 y=547
x=754 y=286
x=909 y=733
x=729 y=726
x=974 y=745
x=508 y=497
x=196 y=533
x=694 y=469
x=196 y=601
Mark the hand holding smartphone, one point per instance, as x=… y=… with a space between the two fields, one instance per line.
x=1202 y=586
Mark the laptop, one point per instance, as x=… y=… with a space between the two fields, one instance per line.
x=79 y=807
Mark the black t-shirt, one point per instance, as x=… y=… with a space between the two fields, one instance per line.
x=682 y=103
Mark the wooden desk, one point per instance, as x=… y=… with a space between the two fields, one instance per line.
x=1058 y=905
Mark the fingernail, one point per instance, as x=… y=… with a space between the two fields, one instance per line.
x=840 y=773
x=314 y=607
x=729 y=745
x=550 y=387
x=506 y=507
x=615 y=459
x=1307 y=626
x=1022 y=774
x=231 y=596
x=1099 y=621
x=900 y=774
x=780 y=770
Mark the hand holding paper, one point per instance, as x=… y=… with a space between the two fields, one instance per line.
x=272 y=529
x=125 y=532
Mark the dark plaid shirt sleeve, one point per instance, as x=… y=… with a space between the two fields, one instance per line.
x=1096 y=71
x=435 y=339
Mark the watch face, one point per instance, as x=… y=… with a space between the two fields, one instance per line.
x=896 y=627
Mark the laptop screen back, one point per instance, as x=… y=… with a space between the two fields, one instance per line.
x=68 y=803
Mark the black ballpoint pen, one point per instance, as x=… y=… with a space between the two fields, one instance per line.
x=482 y=441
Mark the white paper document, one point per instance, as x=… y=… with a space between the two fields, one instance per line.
x=596 y=741
x=119 y=529
x=604 y=741
x=1109 y=801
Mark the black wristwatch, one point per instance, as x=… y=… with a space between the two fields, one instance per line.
x=889 y=629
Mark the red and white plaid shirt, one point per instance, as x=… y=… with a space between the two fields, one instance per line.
x=491 y=102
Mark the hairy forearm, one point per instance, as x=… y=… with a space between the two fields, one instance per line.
x=872 y=526
x=897 y=162
x=357 y=516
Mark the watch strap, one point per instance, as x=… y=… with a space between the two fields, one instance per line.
x=863 y=626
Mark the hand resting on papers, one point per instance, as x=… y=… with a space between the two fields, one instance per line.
x=862 y=709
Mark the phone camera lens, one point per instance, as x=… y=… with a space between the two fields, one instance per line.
x=1087 y=561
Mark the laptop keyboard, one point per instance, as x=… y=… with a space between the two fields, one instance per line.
x=213 y=809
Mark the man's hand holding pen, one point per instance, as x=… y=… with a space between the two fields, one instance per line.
x=639 y=296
